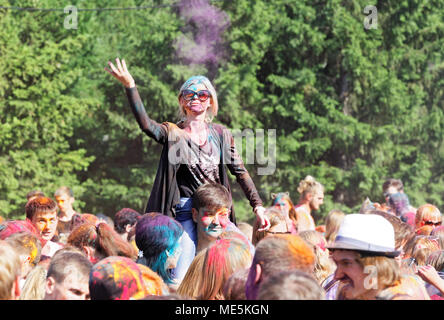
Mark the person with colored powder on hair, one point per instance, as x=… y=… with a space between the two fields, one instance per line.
x=159 y=239
x=28 y=246
x=212 y=267
x=211 y=205
x=42 y=212
x=120 y=278
x=211 y=213
x=275 y=254
x=195 y=151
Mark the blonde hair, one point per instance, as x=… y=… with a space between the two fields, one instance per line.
x=10 y=267
x=220 y=261
x=190 y=285
x=309 y=186
x=324 y=266
x=212 y=111
x=35 y=284
x=275 y=216
x=388 y=271
x=246 y=229
x=427 y=212
x=422 y=249
x=332 y=223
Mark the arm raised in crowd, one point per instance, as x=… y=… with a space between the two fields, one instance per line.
x=157 y=131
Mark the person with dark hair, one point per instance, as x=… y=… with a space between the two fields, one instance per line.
x=159 y=238
x=125 y=222
x=100 y=241
x=34 y=194
x=42 y=213
x=391 y=186
x=195 y=150
x=67 y=277
x=211 y=205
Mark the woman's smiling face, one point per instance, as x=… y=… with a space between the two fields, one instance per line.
x=195 y=106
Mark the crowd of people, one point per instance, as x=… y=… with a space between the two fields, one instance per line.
x=388 y=251
x=188 y=244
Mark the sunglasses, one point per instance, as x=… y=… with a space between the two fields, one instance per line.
x=202 y=95
x=431 y=223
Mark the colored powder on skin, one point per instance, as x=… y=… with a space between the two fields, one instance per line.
x=216 y=257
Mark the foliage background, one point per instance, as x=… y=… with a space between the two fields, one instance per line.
x=351 y=106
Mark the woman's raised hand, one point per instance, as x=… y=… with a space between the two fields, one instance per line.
x=120 y=72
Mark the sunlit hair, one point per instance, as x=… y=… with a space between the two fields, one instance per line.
x=284 y=196
x=234 y=288
x=35 y=284
x=290 y=285
x=212 y=196
x=246 y=229
x=40 y=205
x=64 y=191
x=403 y=231
x=28 y=244
x=67 y=262
x=332 y=223
x=309 y=186
x=220 y=260
x=9 y=269
x=157 y=235
x=190 y=285
x=387 y=269
x=103 y=239
x=425 y=230
x=34 y=194
x=283 y=252
x=214 y=106
x=324 y=266
x=80 y=218
x=153 y=282
x=439 y=232
x=275 y=216
x=419 y=248
x=436 y=260
x=427 y=212
x=423 y=247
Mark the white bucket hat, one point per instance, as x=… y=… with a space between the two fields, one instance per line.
x=366 y=232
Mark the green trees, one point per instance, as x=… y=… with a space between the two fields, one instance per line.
x=350 y=106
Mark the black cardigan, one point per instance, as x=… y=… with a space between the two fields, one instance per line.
x=165 y=193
